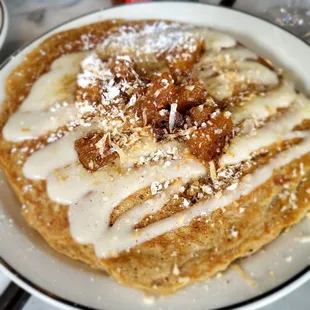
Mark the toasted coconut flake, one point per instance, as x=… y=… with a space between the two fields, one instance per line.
x=172 y=116
x=213 y=172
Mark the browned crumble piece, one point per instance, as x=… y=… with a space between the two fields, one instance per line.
x=89 y=152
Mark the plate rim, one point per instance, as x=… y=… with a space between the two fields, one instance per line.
x=3 y=16
x=252 y=303
x=4 y=23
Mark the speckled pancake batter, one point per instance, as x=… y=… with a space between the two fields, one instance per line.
x=156 y=151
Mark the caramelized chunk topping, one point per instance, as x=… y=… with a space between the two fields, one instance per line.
x=91 y=93
x=123 y=68
x=170 y=102
x=161 y=91
x=162 y=125
x=150 y=69
x=190 y=94
x=305 y=125
x=90 y=155
x=200 y=114
x=181 y=59
x=112 y=81
x=208 y=141
x=153 y=106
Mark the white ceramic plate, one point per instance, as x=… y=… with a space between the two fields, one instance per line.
x=33 y=265
x=3 y=22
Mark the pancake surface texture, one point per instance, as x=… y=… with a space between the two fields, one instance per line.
x=155 y=151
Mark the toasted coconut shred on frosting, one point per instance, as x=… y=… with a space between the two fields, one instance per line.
x=156 y=135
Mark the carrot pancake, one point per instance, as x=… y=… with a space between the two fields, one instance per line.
x=155 y=151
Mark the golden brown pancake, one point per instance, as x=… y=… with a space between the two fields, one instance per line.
x=175 y=95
